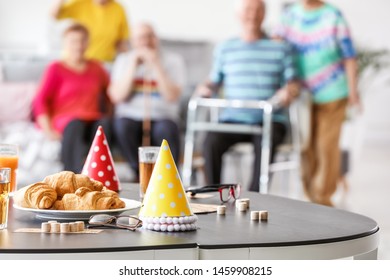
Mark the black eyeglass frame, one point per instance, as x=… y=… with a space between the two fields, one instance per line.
x=218 y=188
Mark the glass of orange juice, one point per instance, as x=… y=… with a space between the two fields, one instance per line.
x=9 y=157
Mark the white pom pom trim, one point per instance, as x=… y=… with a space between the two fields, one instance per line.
x=170 y=220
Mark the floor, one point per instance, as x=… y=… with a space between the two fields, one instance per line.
x=369 y=180
x=368 y=139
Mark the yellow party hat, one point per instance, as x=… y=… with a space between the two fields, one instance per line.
x=165 y=206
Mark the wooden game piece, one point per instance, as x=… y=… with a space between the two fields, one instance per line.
x=45 y=227
x=80 y=226
x=242 y=206
x=54 y=227
x=73 y=227
x=263 y=215
x=247 y=200
x=254 y=215
x=64 y=227
x=221 y=210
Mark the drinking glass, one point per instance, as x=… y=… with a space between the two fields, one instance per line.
x=5 y=174
x=9 y=158
x=147 y=157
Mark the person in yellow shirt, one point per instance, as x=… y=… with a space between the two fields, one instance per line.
x=106 y=22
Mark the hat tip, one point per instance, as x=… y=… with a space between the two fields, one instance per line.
x=164 y=142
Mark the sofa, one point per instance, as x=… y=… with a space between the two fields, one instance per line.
x=18 y=84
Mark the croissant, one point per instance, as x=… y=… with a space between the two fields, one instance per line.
x=82 y=180
x=85 y=199
x=68 y=182
x=118 y=202
x=38 y=196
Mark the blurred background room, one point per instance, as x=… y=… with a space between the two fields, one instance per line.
x=30 y=39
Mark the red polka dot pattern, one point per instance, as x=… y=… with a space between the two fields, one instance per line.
x=99 y=164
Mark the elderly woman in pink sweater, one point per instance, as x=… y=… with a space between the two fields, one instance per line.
x=69 y=103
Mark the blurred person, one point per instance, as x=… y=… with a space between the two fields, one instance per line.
x=106 y=22
x=146 y=83
x=328 y=70
x=69 y=103
x=250 y=67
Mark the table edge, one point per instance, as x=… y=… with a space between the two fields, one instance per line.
x=290 y=244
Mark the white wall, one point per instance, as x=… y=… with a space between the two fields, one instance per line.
x=25 y=23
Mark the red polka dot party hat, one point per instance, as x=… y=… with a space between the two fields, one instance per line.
x=99 y=164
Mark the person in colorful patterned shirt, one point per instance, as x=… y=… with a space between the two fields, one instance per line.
x=249 y=67
x=327 y=68
x=146 y=84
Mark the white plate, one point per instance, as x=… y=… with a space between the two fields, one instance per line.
x=79 y=215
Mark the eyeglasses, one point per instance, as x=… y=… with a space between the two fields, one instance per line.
x=127 y=222
x=226 y=191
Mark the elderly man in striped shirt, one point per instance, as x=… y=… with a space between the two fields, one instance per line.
x=249 y=67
